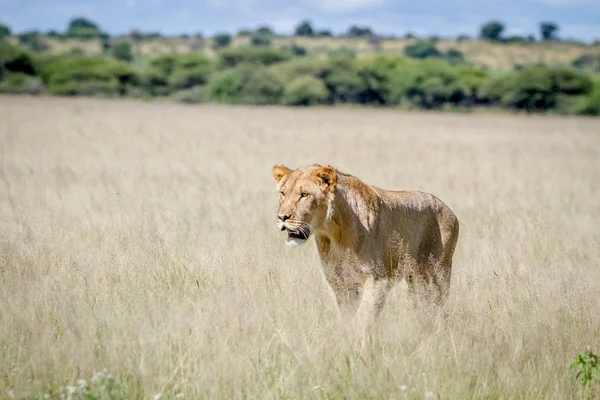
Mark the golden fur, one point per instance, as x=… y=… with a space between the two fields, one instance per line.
x=367 y=237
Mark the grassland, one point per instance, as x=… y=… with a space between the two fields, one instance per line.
x=139 y=238
x=495 y=56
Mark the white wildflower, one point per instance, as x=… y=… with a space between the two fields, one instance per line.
x=82 y=382
x=158 y=396
x=403 y=387
x=179 y=396
x=11 y=394
x=429 y=395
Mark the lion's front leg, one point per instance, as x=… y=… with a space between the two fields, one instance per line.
x=345 y=293
x=375 y=291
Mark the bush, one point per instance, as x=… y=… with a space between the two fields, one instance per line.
x=454 y=57
x=83 y=28
x=225 y=87
x=260 y=39
x=342 y=80
x=590 y=105
x=4 y=31
x=221 y=40
x=163 y=64
x=422 y=49
x=587 y=61
x=548 y=30
x=19 y=83
x=471 y=80
x=374 y=75
x=324 y=33
x=155 y=82
x=122 y=51
x=246 y=84
x=305 y=29
x=426 y=84
x=90 y=76
x=296 y=67
x=492 y=30
x=305 y=91
x=168 y=73
x=190 y=70
x=359 y=31
x=232 y=57
x=537 y=88
x=13 y=59
x=297 y=51
x=33 y=41
x=190 y=96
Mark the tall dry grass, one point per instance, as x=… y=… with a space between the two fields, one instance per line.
x=140 y=239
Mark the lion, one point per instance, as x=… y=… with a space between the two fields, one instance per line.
x=368 y=238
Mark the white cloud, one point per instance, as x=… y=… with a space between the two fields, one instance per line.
x=346 y=5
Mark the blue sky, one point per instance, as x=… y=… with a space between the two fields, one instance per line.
x=577 y=18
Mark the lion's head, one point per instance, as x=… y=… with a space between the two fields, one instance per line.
x=305 y=197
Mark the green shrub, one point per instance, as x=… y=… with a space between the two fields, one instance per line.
x=89 y=76
x=225 y=87
x=454 y=57
x=342 y=80
x=567 y=81
x=260 y=39
x=221 y=40
x=232 y=57
x=426 y=84
x=19 y=83
x=189 y=70
x=155 y=82
x=297 y=51
x=168 y=73
x=122 y=51
x=83 y=28
x=295 y=67
x=374 y=73
x=587 y=61
x=590 y=105
x=34 y=41
x=305 y=91
x=471 y=80
x=536 y=88
x=492 y=30
x=4 y=31
x=261 y=86
x=422 y=49
x=163 y=64
x=246 y=84
x=13 y=59
x=190 y=96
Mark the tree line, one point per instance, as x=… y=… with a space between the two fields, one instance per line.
x=422 y=78
x=83 y=28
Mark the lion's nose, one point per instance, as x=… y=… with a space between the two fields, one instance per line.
x=284 y=218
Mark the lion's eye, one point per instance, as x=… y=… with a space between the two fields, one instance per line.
x=304 y=195
x=282 y=194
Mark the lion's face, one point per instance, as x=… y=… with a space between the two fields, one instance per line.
x=304 y=199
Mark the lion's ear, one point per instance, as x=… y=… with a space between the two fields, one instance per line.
x=326 y=177
x=279 y=171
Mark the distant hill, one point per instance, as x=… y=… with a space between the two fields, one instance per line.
x=490 y=55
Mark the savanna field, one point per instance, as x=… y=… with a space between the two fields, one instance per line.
x=139 y=256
